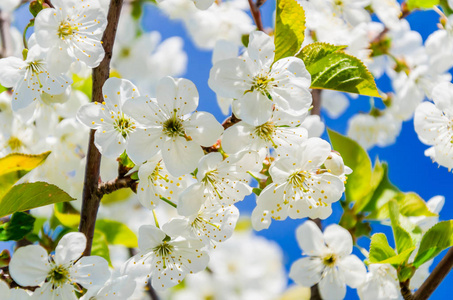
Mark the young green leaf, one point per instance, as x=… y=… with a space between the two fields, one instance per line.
x=335 y=70
x=380 y=249
x=422 y=4
x=100 y=246
x=289 y=28
x=19 y=226
x=26 y=196
x=403 y=239
x=355 y=157
x=383 y=193
x=399 y=259
x=117 y=233
x=436 y=239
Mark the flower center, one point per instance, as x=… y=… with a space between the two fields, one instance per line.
x=262 y=83
x=297 y=180
x=14 y=143
x=329 y=260
x=265 y=131
x=125 y=52
x=173 y=127
x=65 y=29
x=58 y=276
x=124 y=125
x=163 y=250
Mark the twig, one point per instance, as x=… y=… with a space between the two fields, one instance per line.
x=90 y=197
x=436 y=277
x=316 y=94
x=116 y=184
x=406 y=291
x=256 y=14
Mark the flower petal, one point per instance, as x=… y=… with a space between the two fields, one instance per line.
x=338 y=239
x=29 y=265
x=306 y=271
x=70 y=247
x=310 y=239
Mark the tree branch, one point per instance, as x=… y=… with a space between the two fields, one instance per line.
x=436 y=277
x=406 y=291
x=256 y=14
x=316 y=94
x=90 y=197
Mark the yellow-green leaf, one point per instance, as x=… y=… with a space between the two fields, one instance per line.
x=117 y=233
x=403 y=239
x=380 y=249
x=289 y=28
x=422 y=4
x=67 y=217
x=21 y=162
x=100 y=246
x=332 y=69
x=355 y=157
x=436 y=239
x=26 y=196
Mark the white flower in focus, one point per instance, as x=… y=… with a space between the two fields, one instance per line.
x=213 y=223
x=72 y=31
x=113 y=126
x=168 y=124
x=433 y=124
x=59 y=275
x=258 y=84
x=381 y=283
x=31 y=78
x=167 y=260
x=329 y=262
x=281 y=132
x=223 y=181
x=118 y=287
x=156 y=183
x=300 y=188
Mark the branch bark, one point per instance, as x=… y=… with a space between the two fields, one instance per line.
x=256 y=14
x=91 y=197
x=436 y=277
x=406 y=291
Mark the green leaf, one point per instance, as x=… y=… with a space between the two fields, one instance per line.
x=117 y=233
x=355 y=157
x=85 y=85
x=26 y=196
x=2 y=89
x=117 y=196
x=403 y=239
x=446 y=7
x=335 y=70
x=289 y=28
x=5 y=258
x=100 y=246
x=312 y=53
x=380 y=249
x=19 y=226
x=422 y=4
x=436 y=239
x=15 y=165
x=66 y=214
x=399 y=259
x=411 y=205
x=384 y=192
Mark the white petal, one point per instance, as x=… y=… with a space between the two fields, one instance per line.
x=29 y=265
x=338 y=239
x=306 y=271
x=109 y=142
x=177 y=95
x=13 y=70
x=261 y=49
x=332 y=286
x=353 y=270
x=149 y=237
x=91 y=271
x=150 y=139
x=228 y=78
x=203 y=128
x=116 y=91
x=70 y=247
x=443 y=97
x=255 y=108
x=310 y=239
x=181 y=156
x=191 y=199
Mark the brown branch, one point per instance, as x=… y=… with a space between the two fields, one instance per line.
x=436 y=277
x=116 y=184
x=256 y=14
x=406 y=291
x=316 y=94
x=90 y=197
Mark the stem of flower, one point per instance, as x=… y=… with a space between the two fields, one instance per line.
x=436 y=277
x=168 y=202
x=90 y=197
x=256 y=14
x=406 y=291
x=155 y=218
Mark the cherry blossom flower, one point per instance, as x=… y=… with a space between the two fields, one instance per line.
x=258 y=84
x=31 y=79
x=113 y=126
x=381 y=283
x=301 y=187
x=59 y=275
x=329 y=262
x=167 y=124
x=220 y=180
x=166 y=259
x=72 y=32
x=433 y=124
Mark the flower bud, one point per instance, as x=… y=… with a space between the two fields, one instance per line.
x=335 y=163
